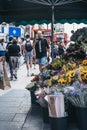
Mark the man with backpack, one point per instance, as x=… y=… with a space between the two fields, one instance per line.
x=28 y=50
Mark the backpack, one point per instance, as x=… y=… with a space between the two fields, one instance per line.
x=28 y=47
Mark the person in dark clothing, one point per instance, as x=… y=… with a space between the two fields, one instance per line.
x=41 y=49
x=14 y=51
x=60 y=49
x=7 y=54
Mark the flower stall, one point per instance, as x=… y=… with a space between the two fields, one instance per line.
x=65 y=76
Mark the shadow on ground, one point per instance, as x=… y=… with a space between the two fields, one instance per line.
x=34 y=120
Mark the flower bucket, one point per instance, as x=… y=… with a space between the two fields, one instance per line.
x=45 y=115
x=71 y=113
x=33 y=97
x=81 y=114
x=59 y=123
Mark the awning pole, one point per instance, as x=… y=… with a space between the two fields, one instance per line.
x=52 y=33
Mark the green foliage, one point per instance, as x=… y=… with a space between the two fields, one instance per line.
x=32 y=87
x=79 y=35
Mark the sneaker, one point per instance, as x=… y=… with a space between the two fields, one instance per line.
x=34 y=67
x=15 y=76
x=27 y=73
x=11 y=78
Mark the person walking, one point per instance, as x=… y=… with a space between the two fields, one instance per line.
x=14 y=51
x=28 y=52
x=41 y=49
x=3 y=48
x=7 y=54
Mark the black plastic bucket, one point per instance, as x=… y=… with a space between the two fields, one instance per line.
x=60 y=123
x=45 y=115
x=81 y=114
x=71 y=113
x=33 y=97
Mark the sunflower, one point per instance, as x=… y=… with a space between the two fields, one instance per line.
x=69 y=79
x=81 y=73
x=50 y=82
x=53 y=80
x=73 y=65
x=62 y=81
x=85 y=76
x=84 y=62
x=85 y=68
x=70 y=73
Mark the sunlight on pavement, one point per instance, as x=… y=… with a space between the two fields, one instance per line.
x=22 y=80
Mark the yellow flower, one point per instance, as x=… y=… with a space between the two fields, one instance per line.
x=62 y=75
x=85 y=76
x=85 y=68
x=81 y=73
x=62 y=81
x=84 y=62
x=50 y=82
x=73 y=65
x=70 y=73
x=69 y=79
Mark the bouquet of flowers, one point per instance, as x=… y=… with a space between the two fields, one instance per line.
x=77 y=95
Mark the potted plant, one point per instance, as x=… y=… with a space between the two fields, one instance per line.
x=32 y=88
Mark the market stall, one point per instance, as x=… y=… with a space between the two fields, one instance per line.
x=64 y=82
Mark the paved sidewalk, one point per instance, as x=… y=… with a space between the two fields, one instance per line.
x=16 y=111
x=34 y=121
x=14 y=107
x=15 y=103
x=22 y=80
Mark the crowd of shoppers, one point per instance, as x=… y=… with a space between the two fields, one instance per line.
x=34 y=51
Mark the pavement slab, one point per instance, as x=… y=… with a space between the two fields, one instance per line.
x=16 y=110
x=14 y=107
